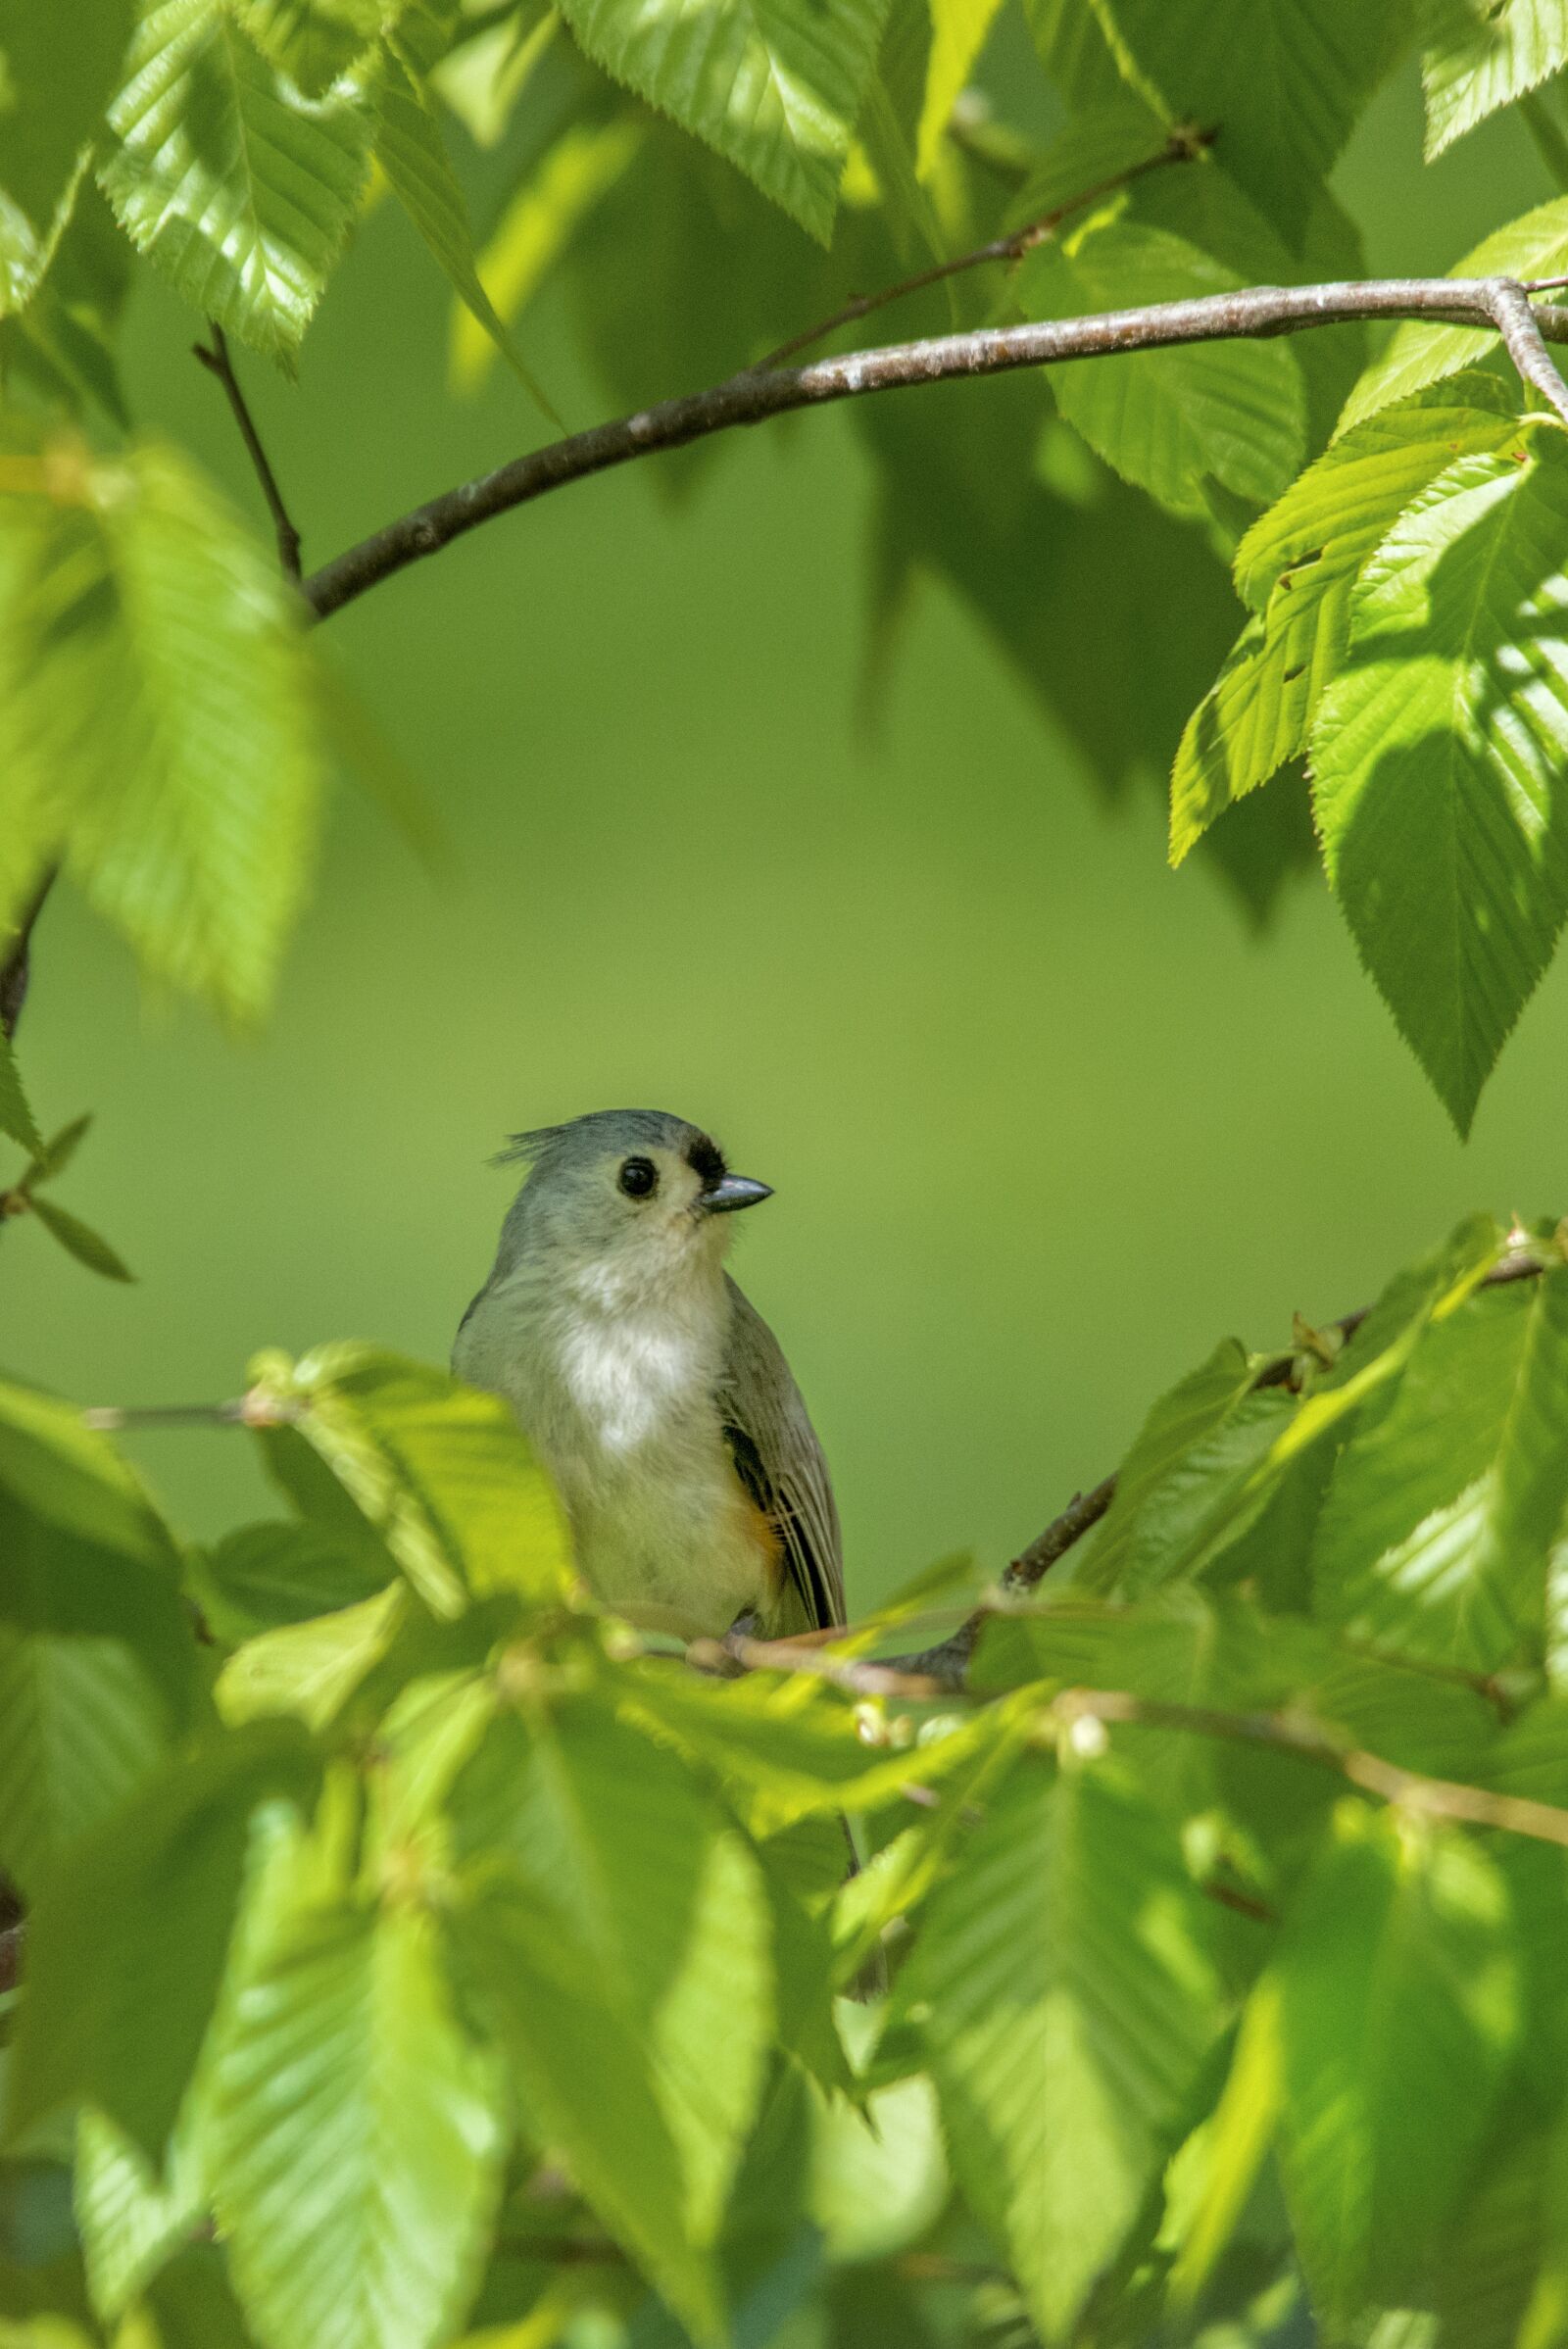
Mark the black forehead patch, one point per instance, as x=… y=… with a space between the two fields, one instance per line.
x=706 y=1160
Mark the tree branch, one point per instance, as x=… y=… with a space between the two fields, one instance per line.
x=1181 y=146
x=753 y=397
x=218 y=362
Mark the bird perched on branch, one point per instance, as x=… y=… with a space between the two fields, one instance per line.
x=655 y=1393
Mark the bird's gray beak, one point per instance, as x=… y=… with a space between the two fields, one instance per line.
x=732 y=1192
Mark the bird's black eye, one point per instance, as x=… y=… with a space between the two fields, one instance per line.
x=638 y=1178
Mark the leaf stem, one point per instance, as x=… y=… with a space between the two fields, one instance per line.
x=218 y=361
x=1181 y=146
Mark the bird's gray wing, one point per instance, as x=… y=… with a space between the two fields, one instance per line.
x=780 y=1462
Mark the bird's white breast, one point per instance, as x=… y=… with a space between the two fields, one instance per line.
x=617 y=1395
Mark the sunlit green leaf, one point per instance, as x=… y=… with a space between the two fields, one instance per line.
x=1437 y=757
x=356 y=2133
x=1297 y=567
x=155 y=721
x=959 y=29
x=440 y=1471
x=238 y=189
x=1397 y=2007
x=1415 y=354
x=1066 y=1994
x=596 y=1819
x=774 y=87
x=314 y=42
x=1483 y=54
x=131 y=2216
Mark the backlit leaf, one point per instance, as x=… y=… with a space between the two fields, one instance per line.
x=1483 y=54
x=53 y=92
x=15 y=1116
x=1438 y=755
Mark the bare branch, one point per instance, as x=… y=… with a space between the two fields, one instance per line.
x=753 y=397
x=218 y=362
x=1523 y=340
x=1181 y=146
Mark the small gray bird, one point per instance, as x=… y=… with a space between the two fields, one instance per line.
x=656 y=1395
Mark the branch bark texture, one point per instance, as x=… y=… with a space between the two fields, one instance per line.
x=1500 y=305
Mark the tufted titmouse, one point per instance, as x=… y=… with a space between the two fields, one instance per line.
x=655 y=1393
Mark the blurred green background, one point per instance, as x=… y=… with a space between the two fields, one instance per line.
x=1043 y=1119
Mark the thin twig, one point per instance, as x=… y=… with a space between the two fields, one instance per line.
x=17 y=968
x=759 y=393
x=218 y=362
x=254 y=1410
x=1181 y=146
x=1438 y=1797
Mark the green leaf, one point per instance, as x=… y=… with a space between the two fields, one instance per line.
x=16 y=1116
x=584 y=2078
x=128 y=1945
x=1397 y=2008
x=410 y=150
x=593 y=1818
x=56 y=1152
x=1282 y=81
x=311 y=1668
x=441 y=1471
x=53 y=92
x=539 y=225
x=1436 y=1533
x=1297 y=568
x=155 y=721
x=262 y=1577
x=1196 y=1407
x=78 y=1240
x=1436 y=753
x=1535 y=246
x=1483 y=54
x=1064 y=1991
x=131 y=2218
x=774 y=87
x=315 y=41
x=238 y=189
x=1168 y=420
x=959 y=29
x=355 y=2136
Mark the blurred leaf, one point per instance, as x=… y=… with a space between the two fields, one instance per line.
x=959 y=29
x=1436 y=757
x=1436 y=1530
x=1075 y=50
x=1066 y=1994
x=1483 y=54
x=878 y=2178
x=16 y=1116
x=131 y=2216
x=75 y=1483
x=237 y=187
x=314 y=42
x=154 y=720
x=1283 y=80
x=410 y=150
x=1535 y=246
x=442 y=1472
x=774 y=88
x=56 y=1152
x=263 y=1577
x=1167 y=419
x=595 y=1819
x=311 y=1668
x=62 y=343
x=539 y=225
x=78 y=1240
x=1235 y=2143
x=356 y=2134
x=128 y=1945
x=1397 y=2010
x=585 y=2081
x=53 y=92
x=1297 y=568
